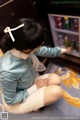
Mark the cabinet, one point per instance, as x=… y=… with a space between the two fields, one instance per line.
x=65 y=32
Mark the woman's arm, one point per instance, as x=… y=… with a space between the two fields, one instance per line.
x=8 y=86
x=51 y=52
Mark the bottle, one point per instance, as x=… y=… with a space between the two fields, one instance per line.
x=59 y=22
x=66 y=41
x=58 y=19
x=72 y=43
x=60 y=40
x=77 y=46
x=59 y=25
x=76 y=24
x=66 y=22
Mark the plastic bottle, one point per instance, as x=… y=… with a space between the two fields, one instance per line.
x=66 y=22
x=66 y=41
x=60 y=39
x=59 y=22
x=72 y=43
x=77 y=46
x=76 y=24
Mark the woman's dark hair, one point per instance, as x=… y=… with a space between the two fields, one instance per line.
x=30 y=36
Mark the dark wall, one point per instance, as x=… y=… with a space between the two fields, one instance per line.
x=10 y=12
x=48 y=6
x=43 y=7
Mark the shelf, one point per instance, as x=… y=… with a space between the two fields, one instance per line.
x=70 y=58
x=74 y=52
x=66 y=31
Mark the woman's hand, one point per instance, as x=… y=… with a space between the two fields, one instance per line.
x=69 y=49
x=41 y=83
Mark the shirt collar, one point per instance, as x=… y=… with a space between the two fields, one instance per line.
x=19 y=54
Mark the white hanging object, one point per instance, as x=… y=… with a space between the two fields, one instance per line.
x=8 y=30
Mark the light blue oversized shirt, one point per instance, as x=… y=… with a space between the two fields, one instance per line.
x=17 y=75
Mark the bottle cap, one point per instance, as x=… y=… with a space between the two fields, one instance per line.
x=66 y=37
x=66 y=17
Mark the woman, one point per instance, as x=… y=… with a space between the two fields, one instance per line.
x=23 y=90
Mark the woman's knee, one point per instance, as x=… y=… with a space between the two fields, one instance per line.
x=54 y=79
x=52 y=93
x=57 y=91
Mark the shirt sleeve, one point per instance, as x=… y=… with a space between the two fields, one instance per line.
x=48 y=52
x=9 y=89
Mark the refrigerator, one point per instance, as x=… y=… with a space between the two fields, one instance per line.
x=65 y=32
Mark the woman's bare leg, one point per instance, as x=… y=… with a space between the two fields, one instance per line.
x=52 y=93
x=54 y=79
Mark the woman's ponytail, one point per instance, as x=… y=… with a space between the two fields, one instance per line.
x=6 y=43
